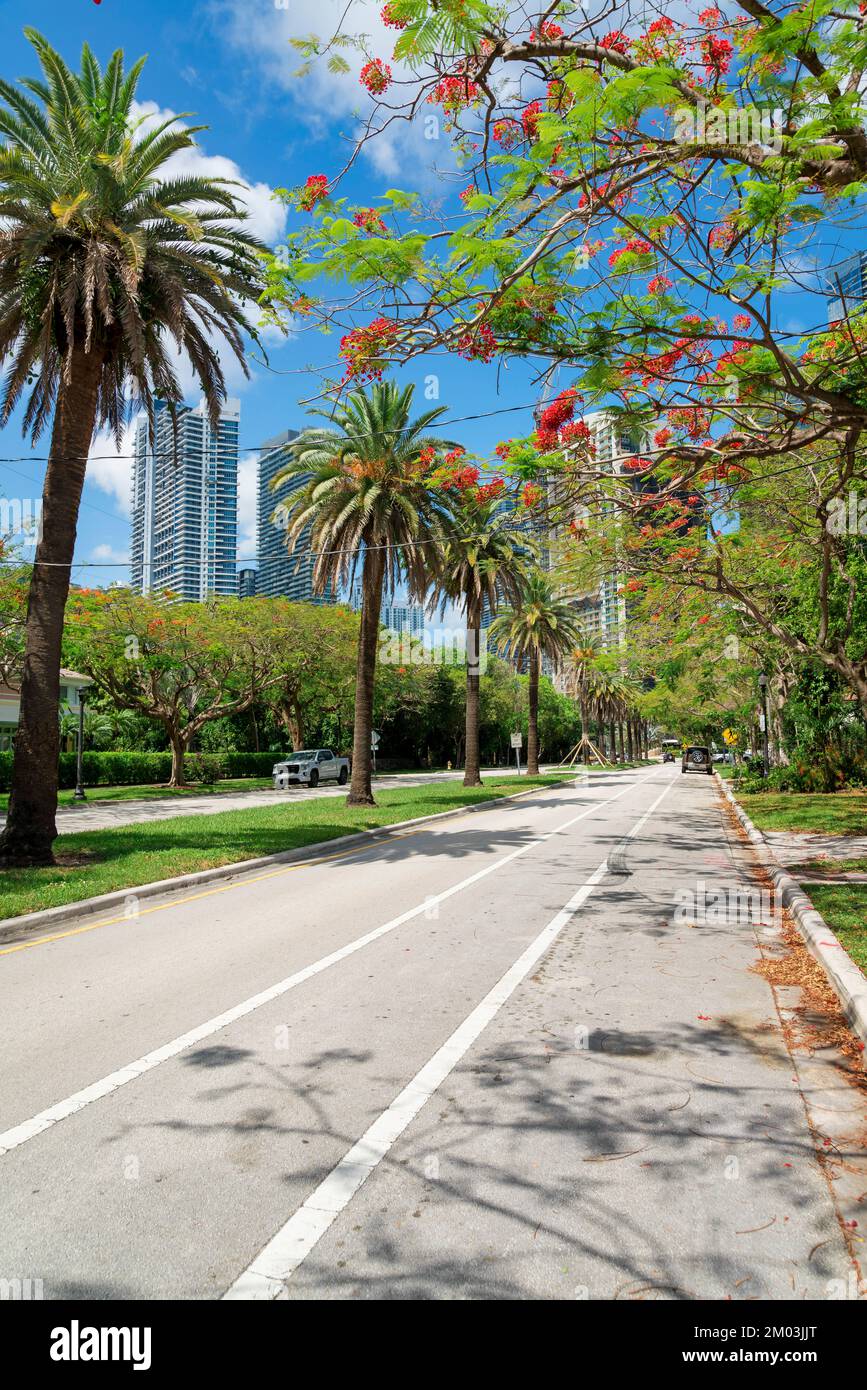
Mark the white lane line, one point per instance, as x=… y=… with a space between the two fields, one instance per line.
x=98 y=1090
x=266 y=1276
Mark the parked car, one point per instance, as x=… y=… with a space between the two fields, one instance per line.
x=697 y=759
x=309 y=767
x=668 y=756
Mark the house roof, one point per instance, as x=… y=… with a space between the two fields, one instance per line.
x=67 y=677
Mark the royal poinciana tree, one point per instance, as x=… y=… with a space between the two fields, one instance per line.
x=653 y=211
x=109 y=267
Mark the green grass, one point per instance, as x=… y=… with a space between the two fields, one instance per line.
x=153 y=793
x=134 y=854
x=828 y=866
x=832 y=813
x=844 y=908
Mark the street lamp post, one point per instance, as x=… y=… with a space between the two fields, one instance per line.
x=763 y=686
x=78 y=794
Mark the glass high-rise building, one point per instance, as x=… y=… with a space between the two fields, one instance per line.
x=185 y=503
x=282 y=575
x=846 y=286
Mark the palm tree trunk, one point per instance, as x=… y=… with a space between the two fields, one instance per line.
x=30 y=826
x=472 y=766
x=620 y=741
x=533 y=716
x=584 y=749
x=361 y=788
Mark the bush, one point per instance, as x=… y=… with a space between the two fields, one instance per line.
x=819 y=771
x=203 y=769
x=250 y=764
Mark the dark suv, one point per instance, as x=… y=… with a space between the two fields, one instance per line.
x=696 y=759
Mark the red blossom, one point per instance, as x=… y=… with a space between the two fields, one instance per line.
x=388 y=17
x=375 y=76
x=531 y=495
x=314 y=190
x=363 y=349
x=370 y=221
x=616 y=41
x=478 y=345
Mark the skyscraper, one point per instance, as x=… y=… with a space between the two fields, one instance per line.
x=185 y=503
x=602 y=610
x=282 y=575
x=846 y=286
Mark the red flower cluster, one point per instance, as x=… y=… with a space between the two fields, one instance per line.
x=637 y=465
x=477 y=346
x=488 y=492
x=427 y=456
x=742 y=322
x=661 y=438
x=370 y=221
x=662 y=26
x=575 y=433
x=691 y=419
x=502 y=449
x=363 y=349
x=561 y=409
x=659 y=284
x=376 y=77
x=546 y=31
x=507 y=133
x=314 y=190
x=716 y=55
x=616 y=41
x=388 y=17
x=559 y=96
x=530 y=120
x=531 y=495
x=453 y=93
x=462 y=479
x=635 y=246
x=710 y=18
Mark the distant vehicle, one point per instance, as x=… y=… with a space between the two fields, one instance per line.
x=309 y=767
x=668 y=756
x=697 y=759
x=669 y=747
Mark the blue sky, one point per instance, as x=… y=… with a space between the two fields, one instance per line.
x=229 y=63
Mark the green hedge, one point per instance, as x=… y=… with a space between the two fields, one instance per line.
x=150 y=769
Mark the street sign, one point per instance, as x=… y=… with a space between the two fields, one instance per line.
x=374 y=740
x=517 y=740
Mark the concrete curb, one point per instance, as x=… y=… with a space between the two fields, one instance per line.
x=106 y=902
x=848 y=982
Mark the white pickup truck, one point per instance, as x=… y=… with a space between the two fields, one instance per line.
x=309 y=767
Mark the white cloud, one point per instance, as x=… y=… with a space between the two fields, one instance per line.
x=109 y=555
x=110 y=468
x=248 y=493
x=321 y=96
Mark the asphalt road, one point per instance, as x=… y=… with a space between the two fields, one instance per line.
x=481 y=1059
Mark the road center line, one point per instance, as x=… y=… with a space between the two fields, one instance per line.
x=98 y=1090
x=266 y=1276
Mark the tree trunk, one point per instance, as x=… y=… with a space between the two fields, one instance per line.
x=472 y=767
x=533 y=716
x=620 y=741
x=630 y=748
x=30 y=826
x=612 y=743
x=179 y=749
x=584 y=749
x=361 y=787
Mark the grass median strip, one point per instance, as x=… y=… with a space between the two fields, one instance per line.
x=844 y=908
x=834 y=813
x=102 y=861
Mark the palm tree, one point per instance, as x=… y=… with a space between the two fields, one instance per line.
x=361 y=496
x=586 y=683
x=485 y=556
x=106 y=265
x=543 y=624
